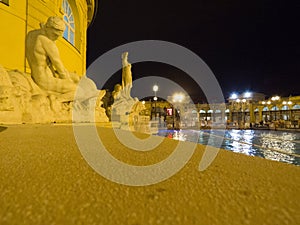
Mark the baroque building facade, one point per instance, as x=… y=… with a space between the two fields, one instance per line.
x=18 y=17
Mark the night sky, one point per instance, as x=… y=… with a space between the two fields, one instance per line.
x=249 y=45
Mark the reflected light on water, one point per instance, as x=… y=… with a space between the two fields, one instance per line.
x=179 y=135
x=273 y=145
x=281 y=143
x=240 y=141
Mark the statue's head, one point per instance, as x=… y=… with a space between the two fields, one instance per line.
x=56 y=23
x=117 y=87
x=55 y=27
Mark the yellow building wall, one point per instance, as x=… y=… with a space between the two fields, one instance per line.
x=12 y=34
x=17 y=19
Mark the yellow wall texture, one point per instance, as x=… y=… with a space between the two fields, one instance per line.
x=21 y=16
x=12 y=38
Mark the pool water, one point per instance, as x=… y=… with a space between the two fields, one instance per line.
x=274 y=145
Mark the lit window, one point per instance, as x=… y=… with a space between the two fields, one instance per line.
x=69 y=33
x=6 y=2
x=296 y=107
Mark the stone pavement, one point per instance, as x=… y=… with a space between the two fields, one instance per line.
x=44 y=180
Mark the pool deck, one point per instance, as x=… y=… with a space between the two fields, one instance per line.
x=45 y=180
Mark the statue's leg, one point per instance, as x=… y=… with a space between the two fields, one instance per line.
x=61 y=86
x=66 y=97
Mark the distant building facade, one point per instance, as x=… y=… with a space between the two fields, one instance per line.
x=240 y=111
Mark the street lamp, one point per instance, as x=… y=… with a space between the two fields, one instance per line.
x=244 y=101
x=155 y=89
x=233 y=96
x=275 y=99
x=177 y=98
x=247 y=94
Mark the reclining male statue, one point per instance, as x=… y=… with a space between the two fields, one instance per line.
x=47 y=69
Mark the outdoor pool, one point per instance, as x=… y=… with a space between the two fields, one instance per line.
x=274 y=145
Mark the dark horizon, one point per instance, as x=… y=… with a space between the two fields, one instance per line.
x=249 y=45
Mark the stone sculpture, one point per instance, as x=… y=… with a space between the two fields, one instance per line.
x=126 y=109
x=47 y=94
x=126 y=76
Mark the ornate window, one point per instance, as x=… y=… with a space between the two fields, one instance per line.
x=6 y=2
x=69 y=33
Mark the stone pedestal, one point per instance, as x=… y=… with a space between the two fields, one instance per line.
x=22 y=101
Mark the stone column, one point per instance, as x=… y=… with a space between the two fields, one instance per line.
x=251 y=111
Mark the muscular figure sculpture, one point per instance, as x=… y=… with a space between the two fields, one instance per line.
x=47 y=69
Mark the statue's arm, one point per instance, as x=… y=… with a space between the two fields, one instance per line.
x=53 y=53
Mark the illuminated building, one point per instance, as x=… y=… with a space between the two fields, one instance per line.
x=18 y=17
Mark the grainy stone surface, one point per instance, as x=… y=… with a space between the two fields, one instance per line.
x=44 y=180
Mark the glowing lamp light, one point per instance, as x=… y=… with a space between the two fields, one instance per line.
x=263 y=102
x=155 y=88
x=284 y=102
x=143 y=102
x=275 y=98
x=155 y=98
x=238 y=100
x=289 y=102
x=268 y=102
x=234 y=96
x=178 y=97
x=244 y=100
x=247 y=94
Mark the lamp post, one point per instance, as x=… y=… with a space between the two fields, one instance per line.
x=176 y=98
x=244 y=111
x=275 y=99
x=232 y=99
x=239 y=103
x=155 y=89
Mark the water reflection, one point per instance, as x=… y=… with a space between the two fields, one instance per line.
x=274 y=145
x=179 y=135
x=239 y=141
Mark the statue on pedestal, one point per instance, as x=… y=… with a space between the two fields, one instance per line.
x=125 y=109
x=50 y=82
